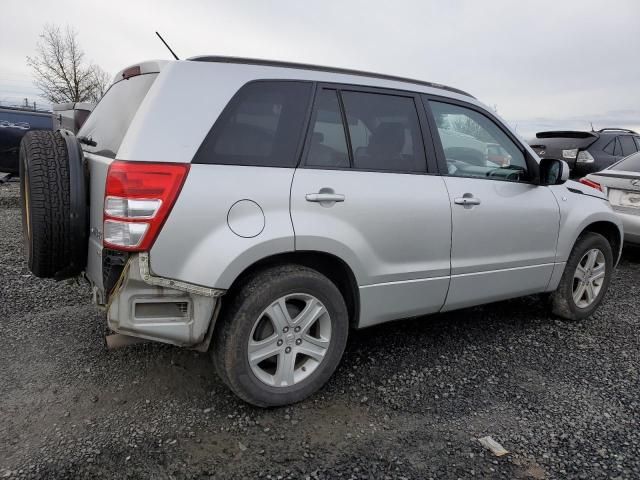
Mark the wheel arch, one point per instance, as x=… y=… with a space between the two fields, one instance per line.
x=329 y=265
x=608 y=230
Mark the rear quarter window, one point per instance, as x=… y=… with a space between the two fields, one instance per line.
x=110 y=120
x=610 y=148
x=261 y=126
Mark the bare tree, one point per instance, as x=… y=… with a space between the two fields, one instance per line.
x=467 y=125
x=60 y=70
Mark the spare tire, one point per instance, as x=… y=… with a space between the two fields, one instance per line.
x=53 y=195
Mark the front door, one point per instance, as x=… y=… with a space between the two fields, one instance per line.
x=504 y=227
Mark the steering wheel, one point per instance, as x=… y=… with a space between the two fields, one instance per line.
x=499 y=172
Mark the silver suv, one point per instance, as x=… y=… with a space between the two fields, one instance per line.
x=261 y=210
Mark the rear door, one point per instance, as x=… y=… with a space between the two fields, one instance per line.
x=505 y=228
x=364 y=194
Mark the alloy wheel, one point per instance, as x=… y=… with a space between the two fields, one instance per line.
x=588 y=278
x=289 y=340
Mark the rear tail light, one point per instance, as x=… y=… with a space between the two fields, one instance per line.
x=591 y=183
x=138 y=199
x=584 y=157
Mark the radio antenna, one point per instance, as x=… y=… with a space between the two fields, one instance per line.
x=167 y=45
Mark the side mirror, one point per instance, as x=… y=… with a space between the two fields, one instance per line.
x=553 y=171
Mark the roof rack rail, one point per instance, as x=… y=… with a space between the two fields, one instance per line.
x=617 y=130
x=306 y=66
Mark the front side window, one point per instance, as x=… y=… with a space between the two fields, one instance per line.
x=261 y=126
x=384 y=131
x=474 y=146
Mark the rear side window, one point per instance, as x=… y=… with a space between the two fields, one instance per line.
x=110 y=120
x=628 y=145
x=261 y=126
x=384 y=131
x=328 y=143
x=629 y=164
x=617 y=148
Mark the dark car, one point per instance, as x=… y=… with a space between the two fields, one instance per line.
x=14 y=123
x=587 y=152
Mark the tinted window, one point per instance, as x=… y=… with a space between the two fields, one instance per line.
x=610 y=148
x=261 y=126
x=111 y=118
x=638 y=142
x=628 y=145
x=617 y=149
x=328 y=143
x=384 y=132
x=474 y=146
x=629 y=164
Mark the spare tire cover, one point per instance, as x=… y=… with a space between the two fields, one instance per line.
x=53 y=192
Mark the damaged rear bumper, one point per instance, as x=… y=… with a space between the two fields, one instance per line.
x=161 y=309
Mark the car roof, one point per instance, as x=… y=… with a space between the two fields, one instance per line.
x=306 y=66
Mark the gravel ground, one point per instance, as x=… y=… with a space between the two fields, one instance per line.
x=410 y=399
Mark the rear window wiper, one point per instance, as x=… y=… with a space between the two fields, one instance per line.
x=87 y=141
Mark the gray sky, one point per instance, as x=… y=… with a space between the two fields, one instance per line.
x=544 y=64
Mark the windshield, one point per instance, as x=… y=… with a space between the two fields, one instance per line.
x=106 y=126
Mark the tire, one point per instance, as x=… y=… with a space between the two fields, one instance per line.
x=263 y=384
x=563 y=302
x=54 y=214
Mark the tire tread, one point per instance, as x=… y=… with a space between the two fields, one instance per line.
x=46 y=158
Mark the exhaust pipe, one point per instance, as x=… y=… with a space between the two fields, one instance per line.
x=117 y=340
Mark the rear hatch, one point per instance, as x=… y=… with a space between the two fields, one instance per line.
x=562 y=144
x=101 y=137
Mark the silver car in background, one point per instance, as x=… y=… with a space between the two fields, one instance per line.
x=621 y=183
x=260 y=210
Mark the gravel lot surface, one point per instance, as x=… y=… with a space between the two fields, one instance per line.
x=410 y=399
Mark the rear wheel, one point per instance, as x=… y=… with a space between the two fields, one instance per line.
x=282 y=336
x=586 y=278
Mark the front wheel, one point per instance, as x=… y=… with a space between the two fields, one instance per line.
x=282 y=336
x=586 y=278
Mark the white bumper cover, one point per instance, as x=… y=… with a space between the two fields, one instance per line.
x=160 y=309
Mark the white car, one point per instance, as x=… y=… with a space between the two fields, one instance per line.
x=261 y=210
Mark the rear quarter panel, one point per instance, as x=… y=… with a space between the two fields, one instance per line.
x=196 y=244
